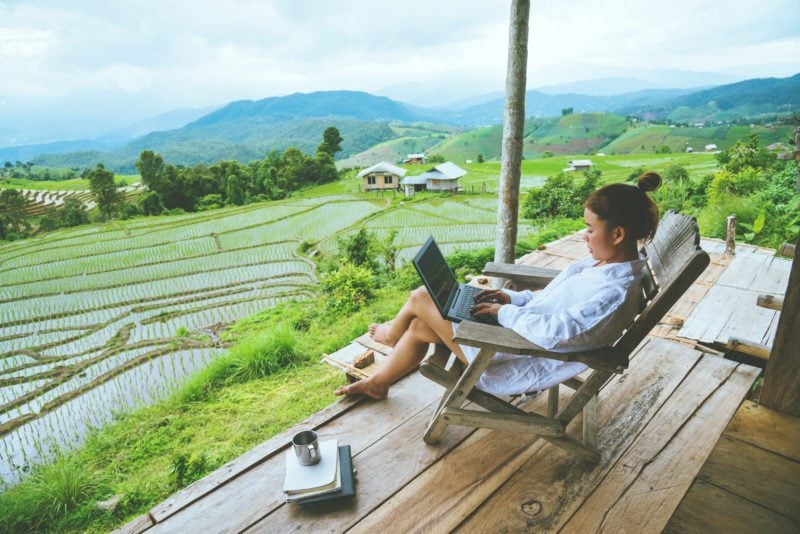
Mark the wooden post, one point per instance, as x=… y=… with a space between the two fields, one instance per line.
x=513 y=127
x=787 y=249
x=797 y=154
x=781 y=390
x=730 y=239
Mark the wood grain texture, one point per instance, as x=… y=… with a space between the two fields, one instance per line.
x=251 y=495
x=648 y=482
x=553 y=483
x=384 y=468
x=781 y=390
x=707 y=508
x=135 y=526
x=442 y=496
x=767 y=429
x=755 y=474
x=248 y=460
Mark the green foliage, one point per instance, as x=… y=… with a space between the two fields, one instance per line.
x=73 y=213
x=12 y=213
x=744 y=183
x=331 y=141
x=186 y=469
x=151 y=204
x=560 y=196
x=743 y=155
x=436 y=158
x=128 y=210
x=358 y=249
x=104 y=189
x=52 y=492
x=264 y=354
x=348 y=288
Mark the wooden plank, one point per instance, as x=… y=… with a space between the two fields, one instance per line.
x=781 y=390
x=769 y=429
x=553 y=483
x=248 y=460
x=755 y=474
x=646 y=485
x=708 y=508
x=528 y=423
x=384 y=468
x=243 y=500
x=370 y=343
x=442 y=496
x=748 y=347
x=136 y=525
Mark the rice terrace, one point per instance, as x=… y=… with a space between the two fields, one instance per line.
x=98 y=320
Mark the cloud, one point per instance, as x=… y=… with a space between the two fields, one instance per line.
x=179 y=52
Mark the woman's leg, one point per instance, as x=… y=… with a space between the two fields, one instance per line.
x=420 y=306
x=423 y=325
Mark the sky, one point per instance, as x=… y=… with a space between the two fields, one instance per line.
x=139 y=57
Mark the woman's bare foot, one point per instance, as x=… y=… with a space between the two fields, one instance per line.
x=380 y=333
x=366 y=387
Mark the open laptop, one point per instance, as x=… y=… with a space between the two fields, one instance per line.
x=454 y=300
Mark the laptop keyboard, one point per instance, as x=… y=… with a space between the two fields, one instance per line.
x=466 y=301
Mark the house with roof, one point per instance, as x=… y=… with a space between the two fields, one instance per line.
x=579 y=165
x=416 y=159
x=382 y=176
x=442 y=177
x=711 y=147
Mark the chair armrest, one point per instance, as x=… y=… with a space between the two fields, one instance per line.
x=526 y=276
x=500 y=339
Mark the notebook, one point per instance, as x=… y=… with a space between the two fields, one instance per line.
x=453 y=300
x=348 y=489
x=311 y=478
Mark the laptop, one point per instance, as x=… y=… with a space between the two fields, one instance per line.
x=453 y=300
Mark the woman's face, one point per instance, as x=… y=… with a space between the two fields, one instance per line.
x=604 y=243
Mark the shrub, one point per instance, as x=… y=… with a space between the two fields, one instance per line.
x=264 y=354
x=52 y=491
x=348 y=288
x=559 y=196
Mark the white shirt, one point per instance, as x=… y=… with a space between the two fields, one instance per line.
x=584 y=307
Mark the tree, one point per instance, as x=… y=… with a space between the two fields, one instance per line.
x=566 y=111
x=331 y=141
x=480 y=158
x=12 y=207
x=151 y=204
x=104 y=190
x=513 y=125
x=151 y=168
x=73 y=213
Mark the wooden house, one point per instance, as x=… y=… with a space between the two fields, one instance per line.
x=579 y=165
x=443 y=177
x=382 y=176
x=416 y=159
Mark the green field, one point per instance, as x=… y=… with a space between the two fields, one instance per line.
x=76 y=184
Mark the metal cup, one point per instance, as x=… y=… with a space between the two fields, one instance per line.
x=306 y=447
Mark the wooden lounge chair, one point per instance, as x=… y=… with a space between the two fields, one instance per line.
x=675 y=260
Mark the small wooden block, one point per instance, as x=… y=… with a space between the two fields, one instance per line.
x=364 y=359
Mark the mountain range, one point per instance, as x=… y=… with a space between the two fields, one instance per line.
x=247 y=129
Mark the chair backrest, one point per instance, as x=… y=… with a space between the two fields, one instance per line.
x=675 y=260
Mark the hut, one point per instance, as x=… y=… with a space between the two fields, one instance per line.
x=382 y=176
x=416 y=159
x=443 y=177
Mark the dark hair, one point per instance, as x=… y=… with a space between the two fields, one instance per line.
x=628 y=206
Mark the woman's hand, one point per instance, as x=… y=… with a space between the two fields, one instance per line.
x=489 y=301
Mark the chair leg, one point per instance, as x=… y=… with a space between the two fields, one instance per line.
x=590 y=422
x=552 y=401
x=454 y=397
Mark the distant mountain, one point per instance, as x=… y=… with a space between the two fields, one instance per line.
x=111 y=140
x=600 y=87
x=247 y=130
x=538 y=104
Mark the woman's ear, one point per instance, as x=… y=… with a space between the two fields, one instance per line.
x=618 y=235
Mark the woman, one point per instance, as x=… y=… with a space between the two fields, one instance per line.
x=586 y=306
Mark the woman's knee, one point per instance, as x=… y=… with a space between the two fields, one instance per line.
x=420 y=295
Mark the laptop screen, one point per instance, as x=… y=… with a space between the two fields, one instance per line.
x=435 y=273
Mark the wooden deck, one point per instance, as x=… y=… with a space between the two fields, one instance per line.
x=659 y=423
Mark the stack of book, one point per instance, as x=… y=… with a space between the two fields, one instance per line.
x=329 y=480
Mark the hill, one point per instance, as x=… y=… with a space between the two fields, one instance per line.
x=247 y=130
x=748 y=99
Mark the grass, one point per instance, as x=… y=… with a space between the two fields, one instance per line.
x=75 y=184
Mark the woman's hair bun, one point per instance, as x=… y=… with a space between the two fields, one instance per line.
x=649 y=181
